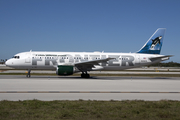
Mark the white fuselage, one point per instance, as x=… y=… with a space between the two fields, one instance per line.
x=67 y=63
x=50 y=60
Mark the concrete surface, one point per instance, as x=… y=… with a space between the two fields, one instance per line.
x=95 y=88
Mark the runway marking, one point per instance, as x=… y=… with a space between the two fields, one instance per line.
x=82 y=92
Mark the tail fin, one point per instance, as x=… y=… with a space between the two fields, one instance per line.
x=154 y=44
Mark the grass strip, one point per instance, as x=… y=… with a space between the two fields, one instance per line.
x=89 y=110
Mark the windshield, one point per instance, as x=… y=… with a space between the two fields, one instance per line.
x=16 y=57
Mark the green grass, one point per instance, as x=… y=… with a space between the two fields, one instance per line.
x=89 y=110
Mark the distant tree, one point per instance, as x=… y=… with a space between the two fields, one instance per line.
x=169 y=64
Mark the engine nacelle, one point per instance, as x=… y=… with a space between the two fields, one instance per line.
x=64 y=70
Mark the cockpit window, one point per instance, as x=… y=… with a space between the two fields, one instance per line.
x=16 y=57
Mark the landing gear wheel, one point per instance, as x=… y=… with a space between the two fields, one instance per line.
x=28 y=76
x=85 y=75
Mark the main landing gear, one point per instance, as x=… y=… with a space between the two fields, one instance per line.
x=28 y=74
x=85 y=75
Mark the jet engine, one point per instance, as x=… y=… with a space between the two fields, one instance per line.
x=64 y=70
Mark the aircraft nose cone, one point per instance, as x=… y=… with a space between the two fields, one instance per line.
x=8 y=63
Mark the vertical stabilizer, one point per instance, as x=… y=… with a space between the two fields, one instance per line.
x=154 y=44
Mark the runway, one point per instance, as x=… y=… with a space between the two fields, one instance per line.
x=95 y=88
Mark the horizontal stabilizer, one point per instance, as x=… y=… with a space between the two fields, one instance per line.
x=166 y=57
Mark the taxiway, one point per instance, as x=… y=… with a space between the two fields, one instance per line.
x=15 y=87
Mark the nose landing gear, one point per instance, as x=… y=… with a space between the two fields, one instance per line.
x=28 y=74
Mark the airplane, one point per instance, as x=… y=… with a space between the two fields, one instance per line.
x=68 y=63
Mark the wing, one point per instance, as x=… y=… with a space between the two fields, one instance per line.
x=89 y=65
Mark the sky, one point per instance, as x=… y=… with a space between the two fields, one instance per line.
x=87 y=25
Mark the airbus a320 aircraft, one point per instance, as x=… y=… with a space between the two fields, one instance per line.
x=67 y=63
